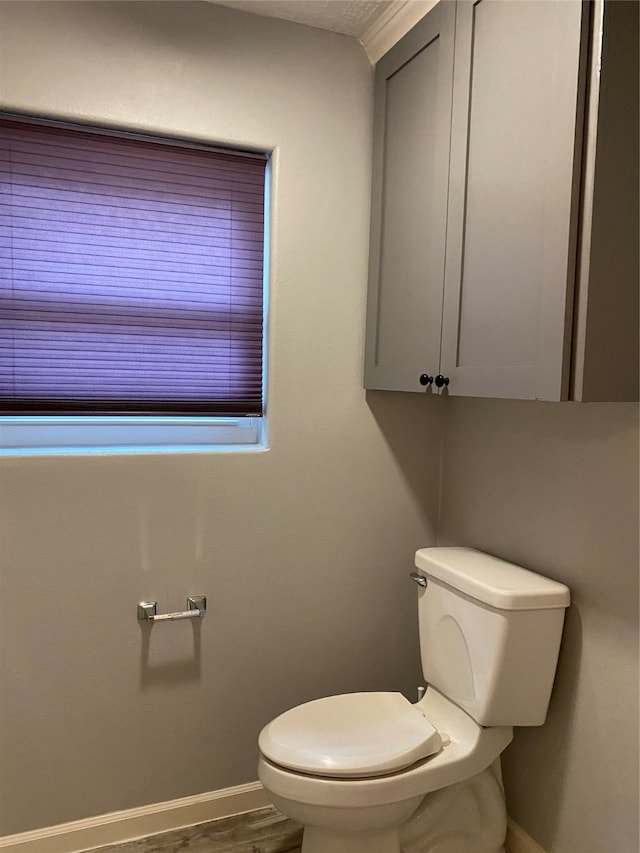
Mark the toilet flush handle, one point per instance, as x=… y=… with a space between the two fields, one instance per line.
x=419 y=579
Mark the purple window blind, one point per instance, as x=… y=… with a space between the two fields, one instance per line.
x=131 y=275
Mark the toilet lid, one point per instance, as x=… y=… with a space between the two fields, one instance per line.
x=356 y=734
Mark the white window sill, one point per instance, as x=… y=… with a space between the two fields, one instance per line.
x=89 y=435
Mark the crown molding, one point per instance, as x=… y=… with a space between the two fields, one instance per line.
x=394 y=22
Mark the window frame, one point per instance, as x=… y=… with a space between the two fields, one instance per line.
x=22 y=433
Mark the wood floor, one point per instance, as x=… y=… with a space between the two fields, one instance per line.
x=262 y=831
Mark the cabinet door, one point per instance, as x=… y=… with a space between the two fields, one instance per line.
x=513 y=194
x=606 y=345
x=409 y=202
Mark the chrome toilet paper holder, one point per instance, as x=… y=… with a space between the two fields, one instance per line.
x=196 y=609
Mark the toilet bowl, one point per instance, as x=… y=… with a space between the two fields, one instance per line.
x=364 y=814
x=373 y=773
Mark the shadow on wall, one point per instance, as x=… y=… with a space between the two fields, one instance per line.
x=411 y=425
x=545 y=750
x=157 y=668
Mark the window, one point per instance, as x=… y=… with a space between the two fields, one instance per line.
x=131 y=284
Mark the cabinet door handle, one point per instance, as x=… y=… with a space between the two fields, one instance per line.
x=441 y=380
x=425 y=379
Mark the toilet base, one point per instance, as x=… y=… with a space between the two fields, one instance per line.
x=467 y=817
x=349 y=829
x=320 y=840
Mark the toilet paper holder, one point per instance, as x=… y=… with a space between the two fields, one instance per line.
x=196 y=608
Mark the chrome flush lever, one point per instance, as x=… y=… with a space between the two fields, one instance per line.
x=419 y=579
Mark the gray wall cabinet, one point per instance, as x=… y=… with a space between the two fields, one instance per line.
x=497 y=201
x=409 y=204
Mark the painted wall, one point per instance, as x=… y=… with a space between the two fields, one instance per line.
x=554 y=487
x=302 y=550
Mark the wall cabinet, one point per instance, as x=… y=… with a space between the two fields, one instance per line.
x=505 y=206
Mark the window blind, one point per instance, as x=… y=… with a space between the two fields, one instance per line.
x=131 y=274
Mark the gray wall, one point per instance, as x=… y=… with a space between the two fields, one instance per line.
x=554 y=487
x=303 y=550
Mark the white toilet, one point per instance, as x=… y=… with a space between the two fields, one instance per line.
x=372 y=773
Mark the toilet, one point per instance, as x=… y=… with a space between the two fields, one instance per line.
x=374 y=773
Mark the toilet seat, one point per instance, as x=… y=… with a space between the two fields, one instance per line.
x=354 y=735
x=470 y=750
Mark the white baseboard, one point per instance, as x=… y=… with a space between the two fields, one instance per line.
x=518 y=841
x=116 y=827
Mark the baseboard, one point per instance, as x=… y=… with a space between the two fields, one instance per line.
x=518 y=841
x=116 y=827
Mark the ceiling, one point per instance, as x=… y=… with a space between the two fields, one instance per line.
x=350 y=17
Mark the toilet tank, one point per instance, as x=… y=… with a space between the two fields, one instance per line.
x=489 y=634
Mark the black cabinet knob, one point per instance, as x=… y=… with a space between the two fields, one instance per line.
x=441 y=380
x=425 y=379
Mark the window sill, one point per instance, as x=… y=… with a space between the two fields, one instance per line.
x=64 y=436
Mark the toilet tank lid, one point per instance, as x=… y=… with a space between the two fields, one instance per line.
x=491 y=580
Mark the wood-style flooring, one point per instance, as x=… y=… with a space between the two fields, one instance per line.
x=262 y=831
